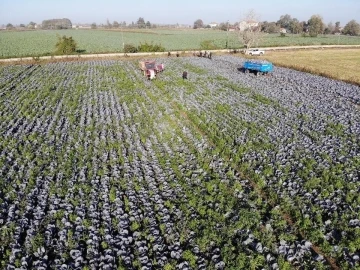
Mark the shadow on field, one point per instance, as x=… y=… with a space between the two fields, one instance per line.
x=80 y=51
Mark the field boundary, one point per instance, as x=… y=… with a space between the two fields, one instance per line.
x=120 y=55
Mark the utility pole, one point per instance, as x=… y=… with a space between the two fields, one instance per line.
x=122 y=37
x=227 y=34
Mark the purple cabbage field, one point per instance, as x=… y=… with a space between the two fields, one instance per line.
x=102 y=169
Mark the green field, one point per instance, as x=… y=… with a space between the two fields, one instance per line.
x=42 y=42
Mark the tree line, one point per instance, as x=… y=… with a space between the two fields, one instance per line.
x=314 y=26
x=140 y=23
x=66 y=24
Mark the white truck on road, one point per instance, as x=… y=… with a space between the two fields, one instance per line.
x=255 y=52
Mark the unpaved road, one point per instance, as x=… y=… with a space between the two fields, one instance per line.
x=109 y=55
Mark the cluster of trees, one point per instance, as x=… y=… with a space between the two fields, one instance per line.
x=314 y=26
x=200 y=24
x=9 y=26
x=57 y=24
x=66 y=24
x=140 y=23
x=250 y=29
x=31 y=25
x=291 y=24
x=352 y=28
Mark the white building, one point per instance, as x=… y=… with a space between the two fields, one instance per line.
x=213 y=24
x=244 y=25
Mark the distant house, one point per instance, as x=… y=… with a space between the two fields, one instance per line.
x=213 y=24
x=232 y=29
x=183 y=26
x=244 y=25
x=283 y=30
x=81 y=26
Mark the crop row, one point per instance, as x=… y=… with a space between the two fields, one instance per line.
x=295 y=134
x=100 y=168
x=37 y=43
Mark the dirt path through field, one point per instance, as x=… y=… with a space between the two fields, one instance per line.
x=154 y=54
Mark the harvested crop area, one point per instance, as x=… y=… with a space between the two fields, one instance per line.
x=340 y=64
x=102 y=169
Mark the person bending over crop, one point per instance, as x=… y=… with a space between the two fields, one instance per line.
x=184 y=75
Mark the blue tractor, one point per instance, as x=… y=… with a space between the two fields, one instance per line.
x=259 y=67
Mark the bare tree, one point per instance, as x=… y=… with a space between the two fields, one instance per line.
x=249 y=32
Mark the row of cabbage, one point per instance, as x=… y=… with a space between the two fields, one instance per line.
x=103 y=169
x=296 y=135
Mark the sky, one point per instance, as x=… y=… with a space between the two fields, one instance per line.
x=172 y=12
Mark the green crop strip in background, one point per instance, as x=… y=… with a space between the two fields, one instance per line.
x=42 y=42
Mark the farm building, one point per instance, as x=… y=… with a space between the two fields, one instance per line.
x=213 y=24
x=244 y=25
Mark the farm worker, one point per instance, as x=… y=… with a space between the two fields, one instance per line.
x=169 y=54
x=210 y=55
x=184 y=75
x=152 y=74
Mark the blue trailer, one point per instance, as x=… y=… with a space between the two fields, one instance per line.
x=259 y=67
